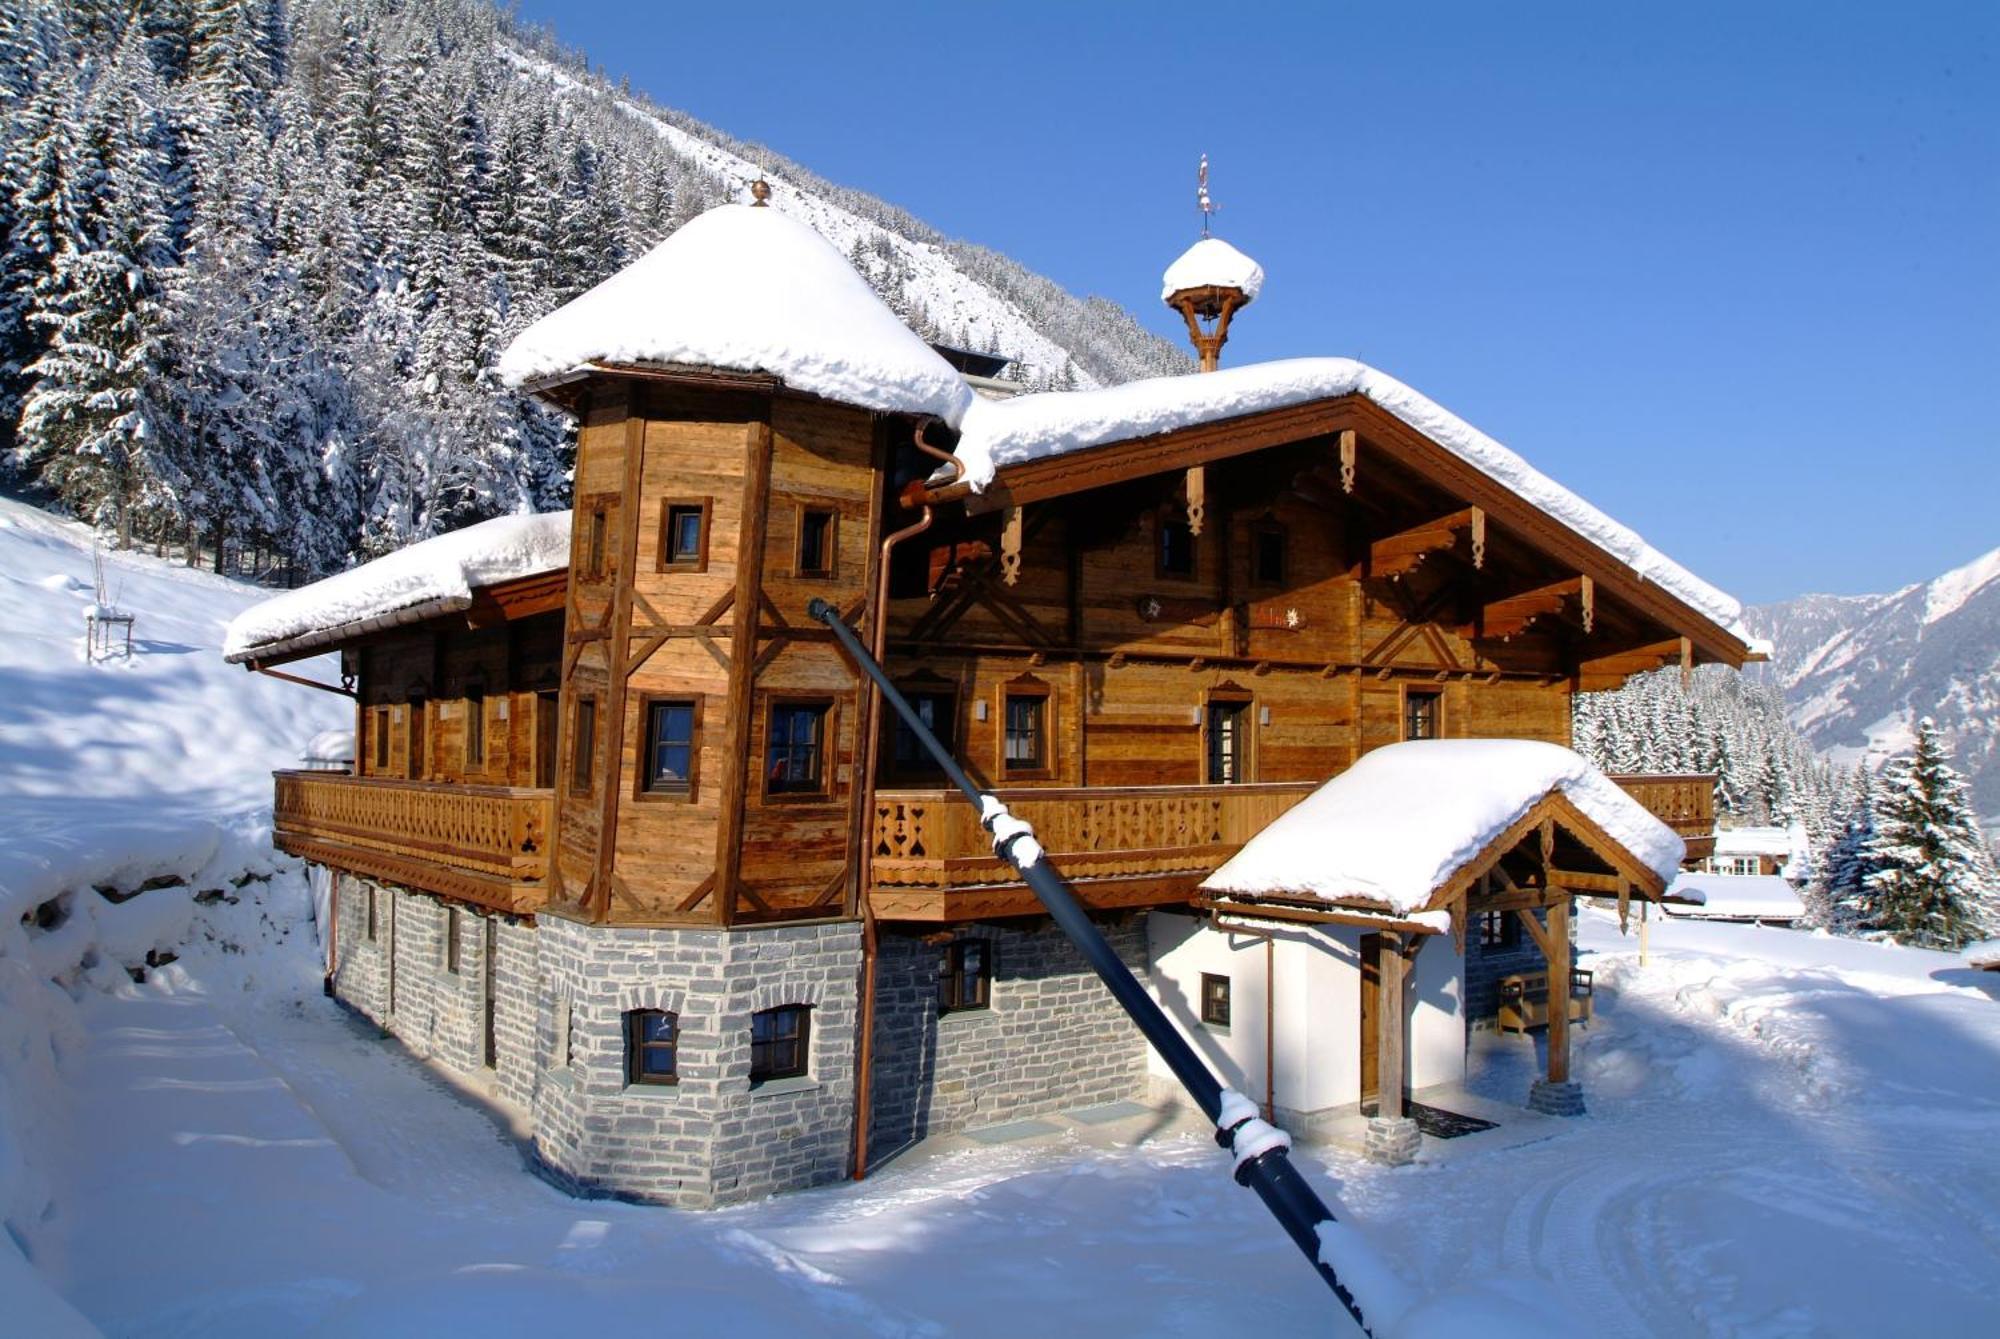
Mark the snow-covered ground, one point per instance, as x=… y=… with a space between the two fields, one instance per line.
x=1789 y=1135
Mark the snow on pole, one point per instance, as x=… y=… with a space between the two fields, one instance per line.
x=1262 y=1151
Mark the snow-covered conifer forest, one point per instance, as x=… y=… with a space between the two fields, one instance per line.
x=257 y=261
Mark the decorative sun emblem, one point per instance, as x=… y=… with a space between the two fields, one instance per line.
x=1292 y=619
x=1149 y=607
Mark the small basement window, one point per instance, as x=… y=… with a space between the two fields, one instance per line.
x=1214 y=999
x=778 y=1042
x=684 y=536
x=652 y=1046
x=965 y=976
x=373 y=924
x=451 y=940
x=818 y=528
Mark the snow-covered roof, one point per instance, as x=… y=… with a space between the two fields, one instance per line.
x=1733 y=897
x=1395 y=827
x=750 y=290
x=998 y=433
x=1984 y=955
x=329 y=746
x=1756 y=840
x=436 y=576
x=1212 y=263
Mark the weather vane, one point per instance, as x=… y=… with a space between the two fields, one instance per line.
x=1201 y=196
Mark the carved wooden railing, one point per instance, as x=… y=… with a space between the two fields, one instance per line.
x=500 y=832
x=932 y=839
x=1685 y=803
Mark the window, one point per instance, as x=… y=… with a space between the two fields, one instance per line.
x=965 y=976
x=937 y=711
x=1176 y=557
x=1267 y=555
x=372 y=924
x=583 y=748
x=817 y=529
x=380 y=719
x=1498 y=929
x=1735 y=864
x=778 y=1039
x=1214 y=999
x=1228 y=730
x=545 y=740
x=684 y=536
x=652 y=1046
x=1420 y=714
x=667 y=765
x=475 y=729
x=796 y=749
x=451 y=960
x=417 y=763
x=599 y=544
x=1024 y=727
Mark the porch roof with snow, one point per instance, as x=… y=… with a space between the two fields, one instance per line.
x=1733 y=897
x=444 y=575
x=1410 y=827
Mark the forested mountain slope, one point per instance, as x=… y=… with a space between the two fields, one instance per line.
x=257 y=260
x=1860 y=670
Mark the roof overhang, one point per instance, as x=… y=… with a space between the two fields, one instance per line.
x=486 y=606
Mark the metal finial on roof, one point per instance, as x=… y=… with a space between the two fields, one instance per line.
x=1203 y=200
x=760 y=194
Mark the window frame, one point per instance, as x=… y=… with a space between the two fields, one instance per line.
x=1210 y=998
x=1173 y=518
x=374 y=925
x=383 y=722
x=1237 y=704
x=453 y=956
x=830 y=546
x=829 y=733
x=953 y=997
x=1028 y=688
x=800 y=1044
x=642 y=785
x=664 y=559
x=474 y=704
x=945 y=727
x=582 y=770
x=1260 y=532
x=597 y=540
x=637 y=1046
x=1435 y=696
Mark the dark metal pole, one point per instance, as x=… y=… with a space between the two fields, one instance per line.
x=1263 y=1162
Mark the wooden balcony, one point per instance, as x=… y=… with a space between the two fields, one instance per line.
x=1124 y=846
x=1685 y=803
x=483 y=844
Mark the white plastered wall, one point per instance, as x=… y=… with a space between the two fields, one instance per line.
x=1317 y=1008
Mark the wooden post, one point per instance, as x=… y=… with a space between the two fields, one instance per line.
x=1389 y=1019
x=1559 y=965
x=1644 y=925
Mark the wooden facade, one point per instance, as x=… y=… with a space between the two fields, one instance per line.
x=1150 y=649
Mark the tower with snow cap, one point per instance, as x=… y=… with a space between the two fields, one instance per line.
x=1209 y=284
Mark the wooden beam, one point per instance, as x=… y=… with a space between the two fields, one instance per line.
x=1197 y=497
x=1396 y=556
x=1010 y=545
x=1536 y=931
x=1389 y=1015
x=1559 y=964
x=1349 y=444
x=1512 y=615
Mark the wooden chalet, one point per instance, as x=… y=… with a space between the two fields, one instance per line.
x=635 y=746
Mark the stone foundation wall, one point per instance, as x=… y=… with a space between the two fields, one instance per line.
x=711 y=1138
x=1052 y=1039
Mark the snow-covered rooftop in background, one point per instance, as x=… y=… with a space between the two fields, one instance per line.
x=1760 y=840
x=1399 y=823
x=435 y=576
x=1213 y=263
x=750 y=290
x=999 y=433
x=1984 y=955
x=1733 y=897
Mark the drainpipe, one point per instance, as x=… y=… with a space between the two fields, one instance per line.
x=871 y=747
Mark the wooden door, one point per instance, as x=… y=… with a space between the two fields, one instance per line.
x=1371 y=1021
x=489 y=969
x=545 y=741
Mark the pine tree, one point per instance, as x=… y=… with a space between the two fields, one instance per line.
x=1932 y=884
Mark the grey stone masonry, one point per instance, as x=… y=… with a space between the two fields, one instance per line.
x=1555 y=1099
x=1393 y=1143
x=711 y=1138
x=402 y=978
x=1052 y=1038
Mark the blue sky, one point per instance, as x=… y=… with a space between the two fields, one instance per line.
x=1731 y=271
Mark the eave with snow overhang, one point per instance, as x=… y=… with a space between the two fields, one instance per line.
x=1421 y=483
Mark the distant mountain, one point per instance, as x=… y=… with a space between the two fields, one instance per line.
x=1859 y=670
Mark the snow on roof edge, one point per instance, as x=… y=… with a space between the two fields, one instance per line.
x=995 y=435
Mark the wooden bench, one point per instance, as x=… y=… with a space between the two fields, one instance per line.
x=1524 y=1000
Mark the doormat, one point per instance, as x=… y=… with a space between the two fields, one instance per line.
x=1436 y=1121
